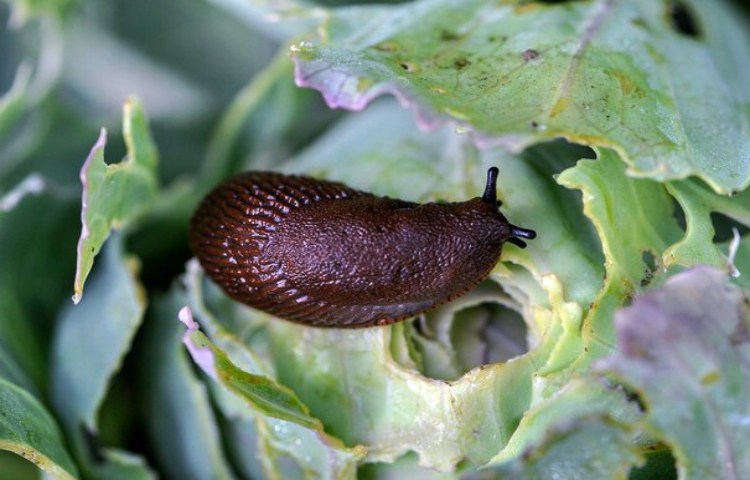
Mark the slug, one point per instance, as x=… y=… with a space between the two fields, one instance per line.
x=326 y=255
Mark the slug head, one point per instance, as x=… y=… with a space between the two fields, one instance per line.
x=490 y=197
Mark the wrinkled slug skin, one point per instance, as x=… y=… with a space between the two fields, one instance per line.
x=325 y=255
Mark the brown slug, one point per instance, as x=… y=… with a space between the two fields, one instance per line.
x=325 y=255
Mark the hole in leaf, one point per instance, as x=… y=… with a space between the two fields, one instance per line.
x=630 y=395
x=488 y=333
x=448 y=342
x=723 y=226
x=651 y=265
x=633 y=397
x=660 y=464
x=682 y=19
x=547 y=160
x=419 y=325
x=555 y=155
x=408 y=67
x=679 y=215
x=649 y=260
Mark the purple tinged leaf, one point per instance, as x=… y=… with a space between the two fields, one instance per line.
x=199 y=350
x=263 y=394
x=114 y=195
x=685 y=350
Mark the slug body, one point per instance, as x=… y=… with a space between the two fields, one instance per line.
x=323 y=254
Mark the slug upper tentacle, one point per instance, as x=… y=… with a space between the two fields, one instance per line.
x=323 y=254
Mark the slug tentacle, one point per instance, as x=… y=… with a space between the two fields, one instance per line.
x=323 y=254
x=520 y=232
x=490 y=190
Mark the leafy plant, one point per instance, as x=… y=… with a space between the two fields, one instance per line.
x=614 y=346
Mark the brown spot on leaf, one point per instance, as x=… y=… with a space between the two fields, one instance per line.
x=530 y=54
x=408 y=66
x=461 y=63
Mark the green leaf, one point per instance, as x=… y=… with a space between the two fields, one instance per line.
x=278 y=20
x=582 y=399
x=635 y=224
x=88 y=349
x=698 y=203
x=262 y=393
x=590 y=448
x=290 y=451
x=115 y=195
x=684 y=349
x=15 y=466
x=27 y=429
x=33 y=216
x=20 y=358
x=742 y=263
x=187 y=441
x=92 y=338
x=14 y=101
x=350 y=381
x=25 y=10
x=601 y=73
x=285 y=428
x=285 y=449
x=404 y=467
x=23 y=124
x=34 y=184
